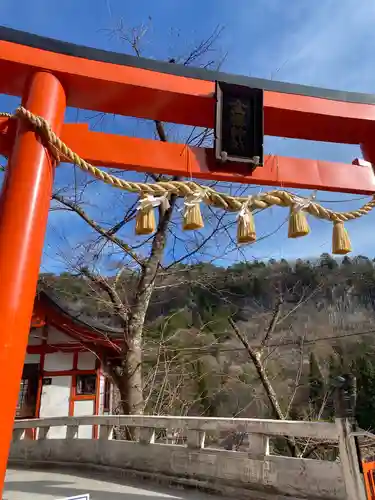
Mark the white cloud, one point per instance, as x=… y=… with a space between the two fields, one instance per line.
x=326 y=43
x=332 y=46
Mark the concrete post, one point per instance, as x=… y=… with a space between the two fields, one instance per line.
x=258 y=446
x=353 y=479
x=146 y=435
x=195 y=439
x=71 y=431
x=105 y=432
x=43 y=432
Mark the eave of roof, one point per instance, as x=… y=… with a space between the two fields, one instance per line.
x=88 y=332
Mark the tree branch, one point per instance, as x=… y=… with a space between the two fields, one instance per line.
x=255 y=357
x=74 y=207
x=120 y=309
x=274 y=320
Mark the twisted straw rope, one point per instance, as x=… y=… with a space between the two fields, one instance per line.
x=182 y=188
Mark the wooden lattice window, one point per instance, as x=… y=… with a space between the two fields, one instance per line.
x=86 y=385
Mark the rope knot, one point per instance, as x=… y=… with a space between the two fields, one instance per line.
x=150 y=201
x=192 y=213
x=195 y=198
x=245 y=222
x=300 y=203
x=245 y=214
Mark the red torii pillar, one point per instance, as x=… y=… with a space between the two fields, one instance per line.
x=25 y=201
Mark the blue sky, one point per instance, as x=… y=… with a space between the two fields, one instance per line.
x=328 y=44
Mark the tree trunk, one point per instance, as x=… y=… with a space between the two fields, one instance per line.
x=131 y=385
x=263 y=376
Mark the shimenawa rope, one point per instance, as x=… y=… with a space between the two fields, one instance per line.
x=189 y=189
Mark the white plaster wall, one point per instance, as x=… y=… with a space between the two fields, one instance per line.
x=56 y=337
x=32 y=358
x=86 y=361
x=55 y=402
x=82 y=408
x=58 y=361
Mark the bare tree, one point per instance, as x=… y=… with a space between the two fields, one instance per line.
x=260 y=353
x=128 y=294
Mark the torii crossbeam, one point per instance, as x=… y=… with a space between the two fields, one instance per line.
x=50 y=75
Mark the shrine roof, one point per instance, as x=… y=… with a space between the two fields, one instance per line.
x=50 y=310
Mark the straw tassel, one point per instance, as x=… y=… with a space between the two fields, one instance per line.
x=298 y=225
x=145 y=219
x=192 y=212
x=246 y=224
x=340 y=239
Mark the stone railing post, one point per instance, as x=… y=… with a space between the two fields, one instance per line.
x=71 y=431
x=105 y=432
x=195 y=439
x=43 y=432
x=146 y=435
x=18 y=434
x=258 y=446
x=352 y=476
x=171 y=436
x=345 y=405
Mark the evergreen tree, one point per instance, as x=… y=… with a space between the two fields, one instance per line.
x=346 y=261
x=364 y=370
x=316 y=383
x=327 y=261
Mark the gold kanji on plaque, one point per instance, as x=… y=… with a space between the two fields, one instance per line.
x=238 y=110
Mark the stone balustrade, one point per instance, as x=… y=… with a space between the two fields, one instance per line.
x=193 y=458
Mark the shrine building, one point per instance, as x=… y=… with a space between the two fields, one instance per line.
x=62 y=375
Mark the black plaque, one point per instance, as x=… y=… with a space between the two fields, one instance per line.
x=47 y=381
x=239 y=124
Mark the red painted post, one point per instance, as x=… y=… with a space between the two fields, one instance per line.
x=25 y=201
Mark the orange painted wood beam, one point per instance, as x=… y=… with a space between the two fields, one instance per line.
x=146 y=155
x=135 y=91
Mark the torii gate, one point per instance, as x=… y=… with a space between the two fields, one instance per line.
x=50 y=75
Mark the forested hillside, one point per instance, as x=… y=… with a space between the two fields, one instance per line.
x=305 y=322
